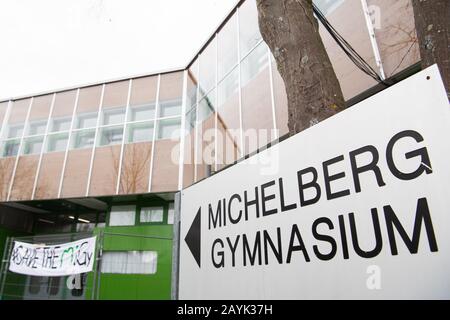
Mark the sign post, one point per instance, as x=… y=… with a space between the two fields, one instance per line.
x=356 y=207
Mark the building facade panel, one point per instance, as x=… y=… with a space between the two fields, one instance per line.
x=55 y=146
x=76 y=173
x=22 y=187
x=6 y=170
x=135 y=170
x=82 y=141
x=47 y=186
x=257 y=115
x=355 y=31
x=165 y=166
x=228 y=120
x=280 y=100
x=395 y=33
x=206 y=136
x=105 y=170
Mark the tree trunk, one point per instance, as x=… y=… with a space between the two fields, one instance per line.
x=292 y=33
x=432 y=19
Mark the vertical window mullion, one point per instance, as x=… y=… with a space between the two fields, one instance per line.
x=155 y=129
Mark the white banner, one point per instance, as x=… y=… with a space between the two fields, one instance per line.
x=355 y=207
x=53 y=260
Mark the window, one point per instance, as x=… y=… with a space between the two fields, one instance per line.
x=129 y=262
x=33 y=145
x=57 y=142
x=248 y=26
x=170 y=108
x=171 y=213
x=207 y=68
x=228 y=87
x=10 y=148
x=138 y=132
x=60 y=124
x=110 y=136
x=191 y=117
x=83 y=139
x=255 y=62
x=15 y=131
x=151 y=214
x=227 y=47
x=122 y=216
x=142 y=112
x=167 y=129
x=206 y=107
x=37 y=127
x=113 y=116
x=87 y=120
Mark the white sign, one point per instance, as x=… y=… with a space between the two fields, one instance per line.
x=355 y=207
x=53 y=260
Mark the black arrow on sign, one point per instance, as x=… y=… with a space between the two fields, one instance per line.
x=193 y=237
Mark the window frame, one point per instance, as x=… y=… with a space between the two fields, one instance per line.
x=4 y=143
x=81 y=117
x=50 y=139
x=108 y=217
x=131 y=126
x=67 y=119
x=36 y=124
x=164 y=213
x=172 y=103
x=106 y=113
x=110 y=128
x=74 y=138
x=136 y=107
x=31 y=141
x=174 y=121
x=143 y=204
x=15 y=126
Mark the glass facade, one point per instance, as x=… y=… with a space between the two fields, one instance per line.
x=395 y=34
x=124 y=137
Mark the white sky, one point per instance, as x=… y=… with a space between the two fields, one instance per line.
x=52 y=44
